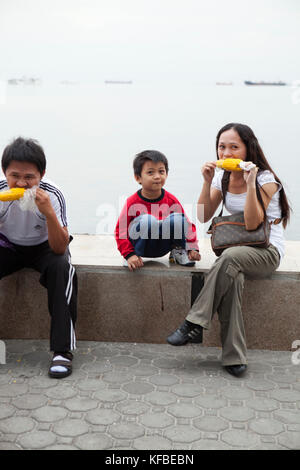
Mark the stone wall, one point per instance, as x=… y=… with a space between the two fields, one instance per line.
x=115 y=305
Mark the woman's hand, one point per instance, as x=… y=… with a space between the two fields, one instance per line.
x=250 y=176
x=208 y=171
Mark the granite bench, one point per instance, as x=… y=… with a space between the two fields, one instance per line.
x=145 y=306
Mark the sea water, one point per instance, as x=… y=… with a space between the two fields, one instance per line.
x=91 y=131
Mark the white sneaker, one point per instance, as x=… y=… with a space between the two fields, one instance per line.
x=179 y=255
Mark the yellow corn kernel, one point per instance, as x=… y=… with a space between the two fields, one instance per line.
x=229 y=164
x=12 y=194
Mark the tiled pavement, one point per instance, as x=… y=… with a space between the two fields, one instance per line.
x=145 y=396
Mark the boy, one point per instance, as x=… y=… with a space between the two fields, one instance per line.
x=152 y=222
x=39 y=239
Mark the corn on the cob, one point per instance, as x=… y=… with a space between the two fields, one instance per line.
x=12 y=194
x=229 y=164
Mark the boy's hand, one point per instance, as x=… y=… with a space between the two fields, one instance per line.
x=135 y=262
x=194 y=255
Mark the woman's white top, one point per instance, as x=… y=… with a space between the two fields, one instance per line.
x=236 y=202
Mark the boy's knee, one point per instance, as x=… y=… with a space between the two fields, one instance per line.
x=141 y=226
x=146 y=220
x=178 y=224
x=176 y=217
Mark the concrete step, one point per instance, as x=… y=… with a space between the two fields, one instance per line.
x=145 y=306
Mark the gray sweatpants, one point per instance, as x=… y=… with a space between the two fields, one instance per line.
x=222 y=293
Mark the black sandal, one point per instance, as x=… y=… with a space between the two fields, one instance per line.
x=64 y=363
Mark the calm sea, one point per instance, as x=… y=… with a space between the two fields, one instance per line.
x=91 y=132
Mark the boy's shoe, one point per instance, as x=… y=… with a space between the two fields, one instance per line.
x=180 y=256
x=187 y=333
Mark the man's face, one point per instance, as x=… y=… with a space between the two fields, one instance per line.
x=22 y=175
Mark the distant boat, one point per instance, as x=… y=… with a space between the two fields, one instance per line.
x=24 y=81
x=118 y=82
x=68 y=82
x=224 y=83
x=280 y=83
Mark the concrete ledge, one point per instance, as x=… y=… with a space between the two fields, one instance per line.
x=145 y=306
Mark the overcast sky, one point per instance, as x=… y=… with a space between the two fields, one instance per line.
x=150 y=39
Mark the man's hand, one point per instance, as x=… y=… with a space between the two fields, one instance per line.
x=135 y=262
x=194 y=255
x=58 y=236
x=43 y=202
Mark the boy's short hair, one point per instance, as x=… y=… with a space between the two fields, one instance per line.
x=152 y=155
x=24 y=150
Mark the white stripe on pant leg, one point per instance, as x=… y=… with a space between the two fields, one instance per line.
x=69 y=291
x=73 y=337
x=69 y=295
x=70 y=283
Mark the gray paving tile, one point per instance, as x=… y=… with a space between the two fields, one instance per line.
x=264 y=426
x=145 y=396
x=37 y=440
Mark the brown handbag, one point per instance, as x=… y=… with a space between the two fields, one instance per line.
x=230 y=230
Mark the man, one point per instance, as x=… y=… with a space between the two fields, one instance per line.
x=39 y=239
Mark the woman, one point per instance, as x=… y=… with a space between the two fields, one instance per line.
x=259 y=194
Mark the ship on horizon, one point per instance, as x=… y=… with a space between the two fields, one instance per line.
x=224 y=83
x=24 y=81
x=118 y=82
x=279 y=83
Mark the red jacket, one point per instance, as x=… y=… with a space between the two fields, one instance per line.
x=159 y=208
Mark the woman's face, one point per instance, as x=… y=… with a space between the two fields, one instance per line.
x=231 y=146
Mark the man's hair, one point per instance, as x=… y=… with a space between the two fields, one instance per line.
x=24 y=150
x=152 y=155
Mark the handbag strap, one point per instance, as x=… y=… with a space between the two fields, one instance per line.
x=224 y=185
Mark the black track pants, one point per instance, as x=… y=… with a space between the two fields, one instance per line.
x=59 y=277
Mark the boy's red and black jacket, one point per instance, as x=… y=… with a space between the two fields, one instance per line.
x=160 y=208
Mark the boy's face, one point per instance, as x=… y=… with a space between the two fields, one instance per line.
x=22 y=175
x=153 y=176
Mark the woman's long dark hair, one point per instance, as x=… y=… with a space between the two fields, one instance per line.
x=256 y=155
